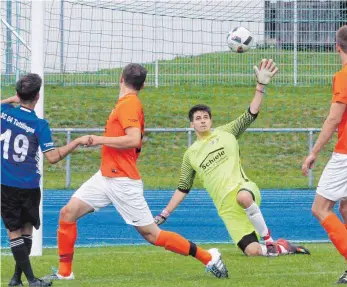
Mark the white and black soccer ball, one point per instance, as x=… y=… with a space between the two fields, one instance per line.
x=240 y=39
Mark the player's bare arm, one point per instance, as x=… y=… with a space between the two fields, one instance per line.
x=330 y=125
x=132 y=139
x=56 y=155
x=11 y=100
x=185 y=184
x=175 y=201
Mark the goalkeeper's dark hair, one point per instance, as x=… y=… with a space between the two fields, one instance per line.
x=28 y=87
x=341 y=38
x=199 y=108
x=134 y=76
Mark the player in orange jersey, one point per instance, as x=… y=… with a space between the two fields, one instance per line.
x=332 y=186
x=118 y=182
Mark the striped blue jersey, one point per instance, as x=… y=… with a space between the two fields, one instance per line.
x=22 y=133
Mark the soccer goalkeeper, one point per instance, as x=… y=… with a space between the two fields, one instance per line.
x=215 y=158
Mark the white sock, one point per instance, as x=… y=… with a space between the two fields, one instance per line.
x=283 y=250
x=264 y=250
x=255 y=216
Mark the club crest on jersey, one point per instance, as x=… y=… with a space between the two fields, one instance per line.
x=212 y=142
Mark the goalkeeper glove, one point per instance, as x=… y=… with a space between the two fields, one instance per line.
x=161 y=218
x=265 y=72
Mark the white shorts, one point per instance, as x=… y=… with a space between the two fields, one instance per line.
x=333 y=182
x=124 y=193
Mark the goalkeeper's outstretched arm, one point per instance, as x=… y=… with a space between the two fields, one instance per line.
x=175 y=201
x=184 y=186
x=267 y=69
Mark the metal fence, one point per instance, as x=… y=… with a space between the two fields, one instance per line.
x=189 y=131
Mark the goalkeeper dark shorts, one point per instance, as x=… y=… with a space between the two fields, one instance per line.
x=20 y=206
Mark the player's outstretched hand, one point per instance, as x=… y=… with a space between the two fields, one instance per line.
x=162 y=217
x=94 y=140
x=11 y=100
x=308 y=164
x=15 y=99
x=85 y=140
x=267 y=69
x=159 y=219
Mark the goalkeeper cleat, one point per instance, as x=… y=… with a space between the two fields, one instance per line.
x=57 y=276
x=216 y=266
x=342 y=279
x=271 y=248
x=15 y=282
x=39 y=282
x=291 y=248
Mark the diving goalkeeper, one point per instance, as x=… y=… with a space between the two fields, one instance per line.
x=215 y=158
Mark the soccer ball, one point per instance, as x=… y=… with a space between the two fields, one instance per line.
x=240 y=39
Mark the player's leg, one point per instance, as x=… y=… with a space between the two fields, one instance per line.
x=343 y=210
x=127 y=197
x=21 y=256
x=246 y=197
x=26 y=231
x=239 y=227
x=89 y=197
x=67 y=234
x=20 y=208
x=332 y=187
x=249 y=198
x=176 y=243
x=322 y=209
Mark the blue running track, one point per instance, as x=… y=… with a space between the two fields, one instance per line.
x=287 y=212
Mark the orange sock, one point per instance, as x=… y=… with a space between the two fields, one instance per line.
x=337 y=233
x=67 y=234
x=178 y=244
x=346 y=225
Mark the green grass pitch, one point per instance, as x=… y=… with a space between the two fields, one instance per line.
x=136 y=266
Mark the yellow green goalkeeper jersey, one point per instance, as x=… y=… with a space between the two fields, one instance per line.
x=216 y=160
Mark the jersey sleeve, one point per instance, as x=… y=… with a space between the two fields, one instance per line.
x=44 y=136
x=340 y=88
x=129 y=115
x=238 y=126
x=187 y=175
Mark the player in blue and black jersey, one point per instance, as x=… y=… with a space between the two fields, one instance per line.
x=22 y=134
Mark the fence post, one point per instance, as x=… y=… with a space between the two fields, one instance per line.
x=189 y=138
x=62 y=37
x=155 y=47
x=9 y=52
x=295 y=43
x=310 y=146
x=68 y=162
x=17 y=41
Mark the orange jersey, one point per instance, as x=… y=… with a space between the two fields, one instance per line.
x=340 y=95
x=122 y=162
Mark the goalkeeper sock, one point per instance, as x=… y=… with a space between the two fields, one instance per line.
x=255 y=216
x=337 y=233
x=67 y=234
x=178 y=244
